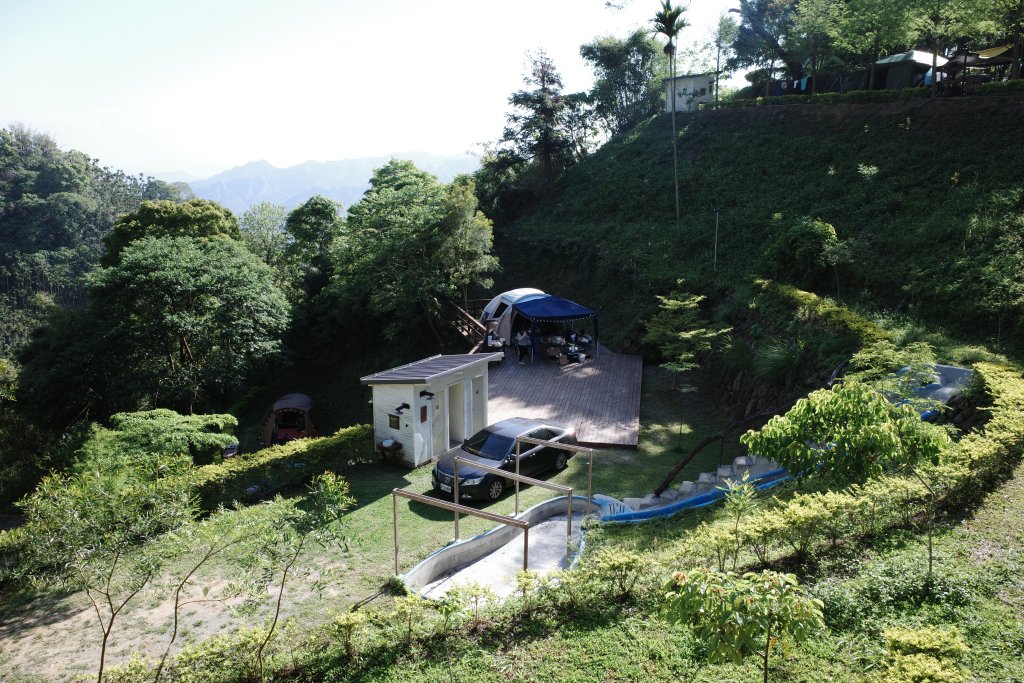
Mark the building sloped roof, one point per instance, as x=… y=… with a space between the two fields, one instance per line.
x=429 y=369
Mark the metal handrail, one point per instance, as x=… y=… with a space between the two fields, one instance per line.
x=565 y=447
x=519 y=478
x=490 y=516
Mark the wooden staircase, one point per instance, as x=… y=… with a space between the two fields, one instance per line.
x=468 y=326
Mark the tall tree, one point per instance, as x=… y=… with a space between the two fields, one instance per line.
x=314 y=228
x=722 y=39
x=534 y=132
x=815 y=26
x=625 y=90
x=947 y=22
x=177 y=323
x=263 y=230
x=1009 y=14
x=470 y=239
x=196 y=218
x=669 y=22
x=867 y=27
x=763 y=35
x=411 y=245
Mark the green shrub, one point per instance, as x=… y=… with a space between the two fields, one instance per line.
x=983 y=456
x=1000 y=87
x=220 y=659
x=821 y=312
x=941 y=643
x=779 y=361
x=923 y=669
x=925 y=655
x=853 y=96
x=254 y=474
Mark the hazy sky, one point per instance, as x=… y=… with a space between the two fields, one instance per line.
x=203 y=86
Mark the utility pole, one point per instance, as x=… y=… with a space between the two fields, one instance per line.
x=714 y=262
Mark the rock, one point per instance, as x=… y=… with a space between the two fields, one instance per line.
x=687 y=488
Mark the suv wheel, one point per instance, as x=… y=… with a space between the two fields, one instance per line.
x=495 y=489
x=561 y=461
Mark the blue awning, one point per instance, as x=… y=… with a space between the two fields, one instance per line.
x=552 y=309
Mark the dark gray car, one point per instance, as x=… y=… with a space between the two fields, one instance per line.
x=494 y=445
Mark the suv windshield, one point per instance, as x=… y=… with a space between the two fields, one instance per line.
x=489 y=445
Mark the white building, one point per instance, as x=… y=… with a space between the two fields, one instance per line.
x=691 y=90
x=430 y=405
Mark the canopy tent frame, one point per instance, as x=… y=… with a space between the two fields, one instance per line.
x=555 y=309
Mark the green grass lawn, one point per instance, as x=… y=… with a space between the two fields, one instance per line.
x=35 y=625
x=977 y=589
x=669 y=418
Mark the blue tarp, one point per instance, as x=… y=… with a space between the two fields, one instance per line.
x=552 y=309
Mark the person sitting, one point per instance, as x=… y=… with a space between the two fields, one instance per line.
x=579 y=338
x=493 y=340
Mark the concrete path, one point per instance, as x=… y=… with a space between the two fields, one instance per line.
x=497 y=570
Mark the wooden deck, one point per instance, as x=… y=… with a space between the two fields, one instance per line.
x=601 y=398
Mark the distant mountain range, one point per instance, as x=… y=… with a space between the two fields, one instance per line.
x=344 y=181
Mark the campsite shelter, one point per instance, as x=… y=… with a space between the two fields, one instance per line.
x=553 y=309
x=430 y=405
x=902 y=70
x=291 y=417
x=527 y=307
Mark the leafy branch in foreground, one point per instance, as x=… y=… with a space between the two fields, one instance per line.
x=89 y=531
x=739 y=615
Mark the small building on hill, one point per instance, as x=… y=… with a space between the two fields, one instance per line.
x=430 y=405
x=691 y=90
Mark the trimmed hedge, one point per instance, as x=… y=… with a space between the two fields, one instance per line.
x=987 y=454
x=823 y=313
x=1000 y=87
x=854 y=96
x=252 y=475
x=967 y=469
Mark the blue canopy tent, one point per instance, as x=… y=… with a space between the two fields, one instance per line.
x=554 y=309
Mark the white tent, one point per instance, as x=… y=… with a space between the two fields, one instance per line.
x=499 y=309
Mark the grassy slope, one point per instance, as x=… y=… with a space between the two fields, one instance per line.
x=978 y=590
x=35 y=626
x=913 y=186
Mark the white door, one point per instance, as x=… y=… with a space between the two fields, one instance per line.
x=479 y=404
x=457 y=413
x=439 y=424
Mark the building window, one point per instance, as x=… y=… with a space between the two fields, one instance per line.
x=394 y=421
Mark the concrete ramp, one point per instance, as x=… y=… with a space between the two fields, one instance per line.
x=493 y=558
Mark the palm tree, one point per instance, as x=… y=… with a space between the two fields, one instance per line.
x=669 y=22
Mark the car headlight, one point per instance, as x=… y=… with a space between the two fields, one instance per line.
x=472 y=482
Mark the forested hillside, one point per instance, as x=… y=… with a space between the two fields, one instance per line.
x=55 y=206
x=926 y=199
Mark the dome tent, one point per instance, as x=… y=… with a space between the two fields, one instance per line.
x=499 y=309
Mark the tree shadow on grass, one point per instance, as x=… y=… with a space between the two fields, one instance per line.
x=26 y=609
